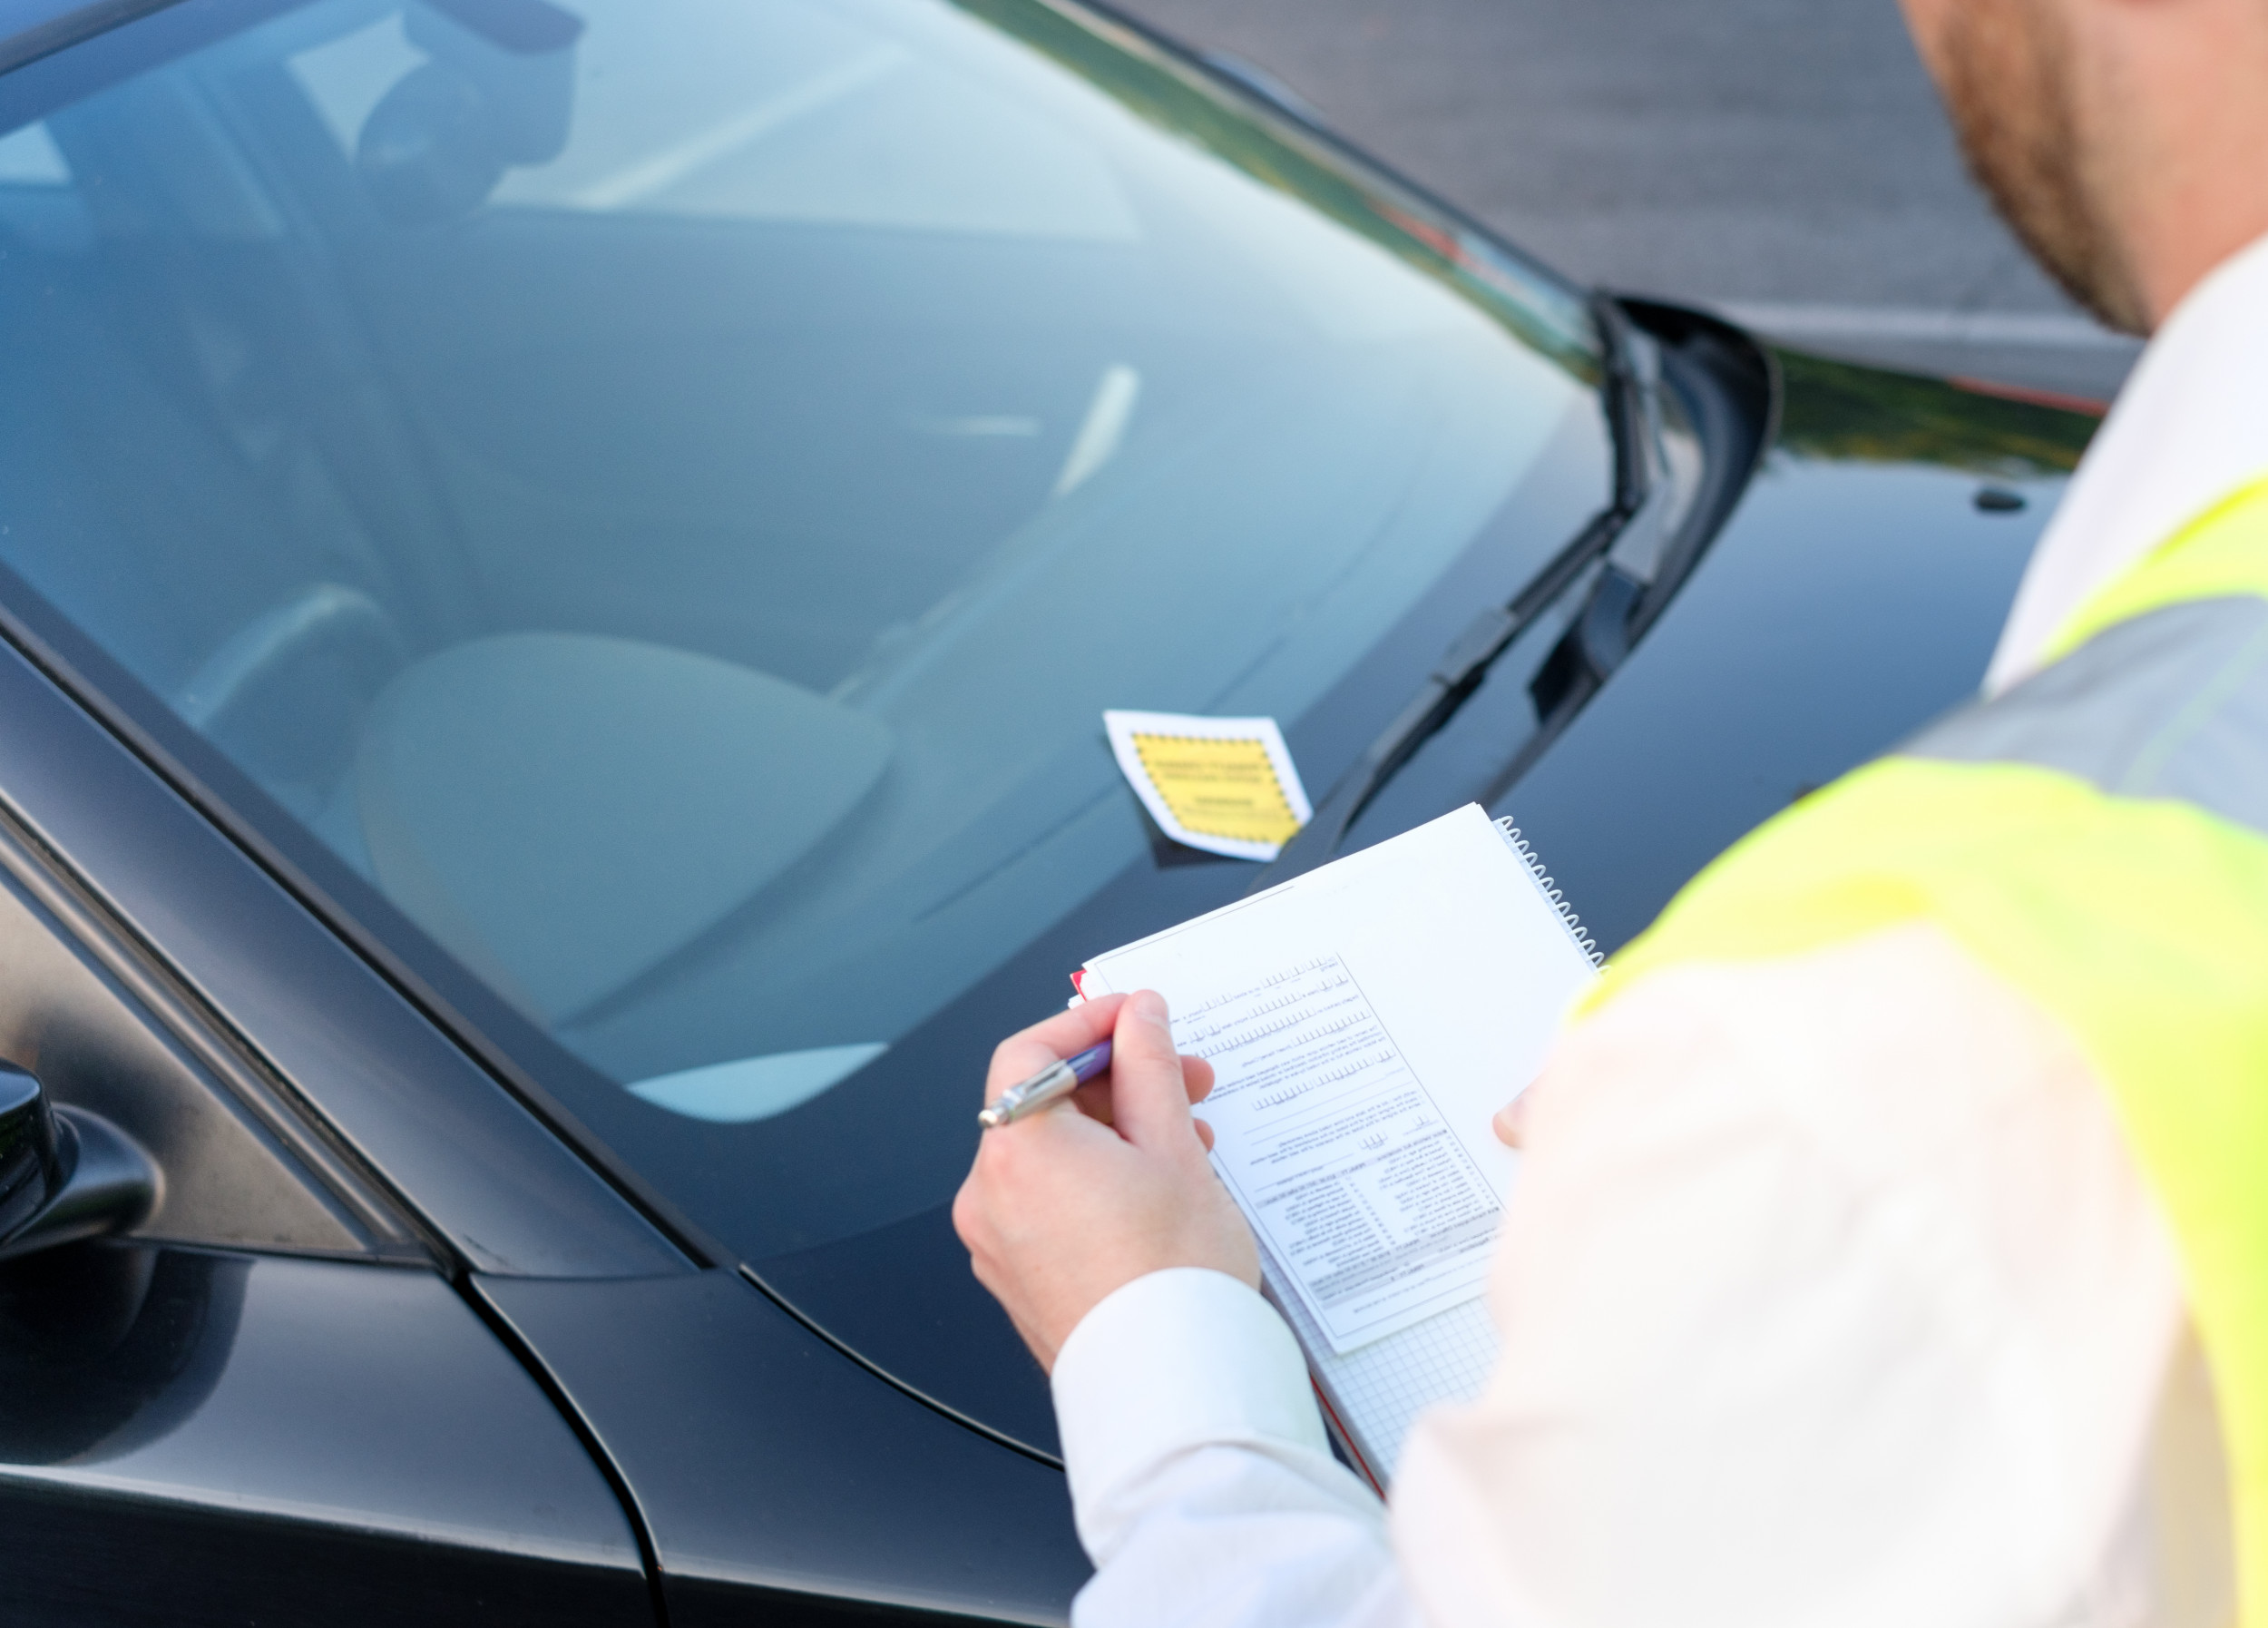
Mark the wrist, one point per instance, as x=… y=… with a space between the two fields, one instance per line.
x=1176 y=1358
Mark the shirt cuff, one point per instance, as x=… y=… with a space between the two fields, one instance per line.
x=1181 y=1358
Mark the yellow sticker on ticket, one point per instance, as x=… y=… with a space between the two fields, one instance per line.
x=1219 y=787
x=1227 y=785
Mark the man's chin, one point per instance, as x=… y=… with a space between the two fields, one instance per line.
x=2092 y=272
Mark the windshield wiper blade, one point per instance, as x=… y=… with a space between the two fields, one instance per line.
x=1461 y=667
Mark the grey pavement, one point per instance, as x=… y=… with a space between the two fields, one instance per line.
x=1783 y=159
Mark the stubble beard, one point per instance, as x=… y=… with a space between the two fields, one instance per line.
x=2008 y=85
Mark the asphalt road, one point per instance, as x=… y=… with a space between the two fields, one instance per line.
x=1783 y=159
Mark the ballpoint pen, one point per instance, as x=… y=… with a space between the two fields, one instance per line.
x=1058 y=1079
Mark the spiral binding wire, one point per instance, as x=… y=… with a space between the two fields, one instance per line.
x=1568 y=917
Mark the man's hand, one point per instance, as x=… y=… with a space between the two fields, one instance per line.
x=1084 y=1197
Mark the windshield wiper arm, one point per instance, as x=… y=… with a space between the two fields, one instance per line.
x=1461 y=667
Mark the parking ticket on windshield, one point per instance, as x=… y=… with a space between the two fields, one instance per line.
x=1225 y=785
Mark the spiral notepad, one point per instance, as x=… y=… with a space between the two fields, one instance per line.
x=1365 y=1021
x=1549 y=889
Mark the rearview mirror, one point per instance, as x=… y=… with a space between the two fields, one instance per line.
x=64 y=1173
x=497 y=90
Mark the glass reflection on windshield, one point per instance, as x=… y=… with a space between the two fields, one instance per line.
x=666 y=494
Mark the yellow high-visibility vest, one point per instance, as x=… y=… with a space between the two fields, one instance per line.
x=2097 y=836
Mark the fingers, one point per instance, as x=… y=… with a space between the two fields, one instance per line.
x=1149 y=1096
x=1511 y=1123
x=1066 y=1034
x=1197 y=1078
x=1094 y=1097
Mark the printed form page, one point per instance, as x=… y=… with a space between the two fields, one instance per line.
x=1365 y=1021
x=1343 y=1157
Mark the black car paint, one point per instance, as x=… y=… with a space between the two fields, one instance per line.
x=679 y=1420
x=183 y=1432
x=703 y=1390
x=1857 y=595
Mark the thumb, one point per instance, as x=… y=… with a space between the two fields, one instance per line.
x=1149 y=1104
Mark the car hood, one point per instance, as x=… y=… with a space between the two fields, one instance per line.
x=1854 y=594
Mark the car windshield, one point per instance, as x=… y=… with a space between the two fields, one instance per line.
x=646 y=503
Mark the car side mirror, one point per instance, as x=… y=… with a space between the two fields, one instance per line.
x=64 y=1173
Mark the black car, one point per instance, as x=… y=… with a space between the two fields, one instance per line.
x=560 y=563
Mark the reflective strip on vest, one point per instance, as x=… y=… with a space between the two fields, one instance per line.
x=2098 y=837
x=2172 y=704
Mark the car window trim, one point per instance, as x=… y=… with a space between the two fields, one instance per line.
x=225 y=1055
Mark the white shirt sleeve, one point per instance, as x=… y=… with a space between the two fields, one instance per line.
x=1830 y=1295
x=1205 y=1490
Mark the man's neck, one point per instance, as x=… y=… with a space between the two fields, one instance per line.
x=2176 y=101
x=2182 y=435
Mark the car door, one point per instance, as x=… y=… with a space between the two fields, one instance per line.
x=268 y=1403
